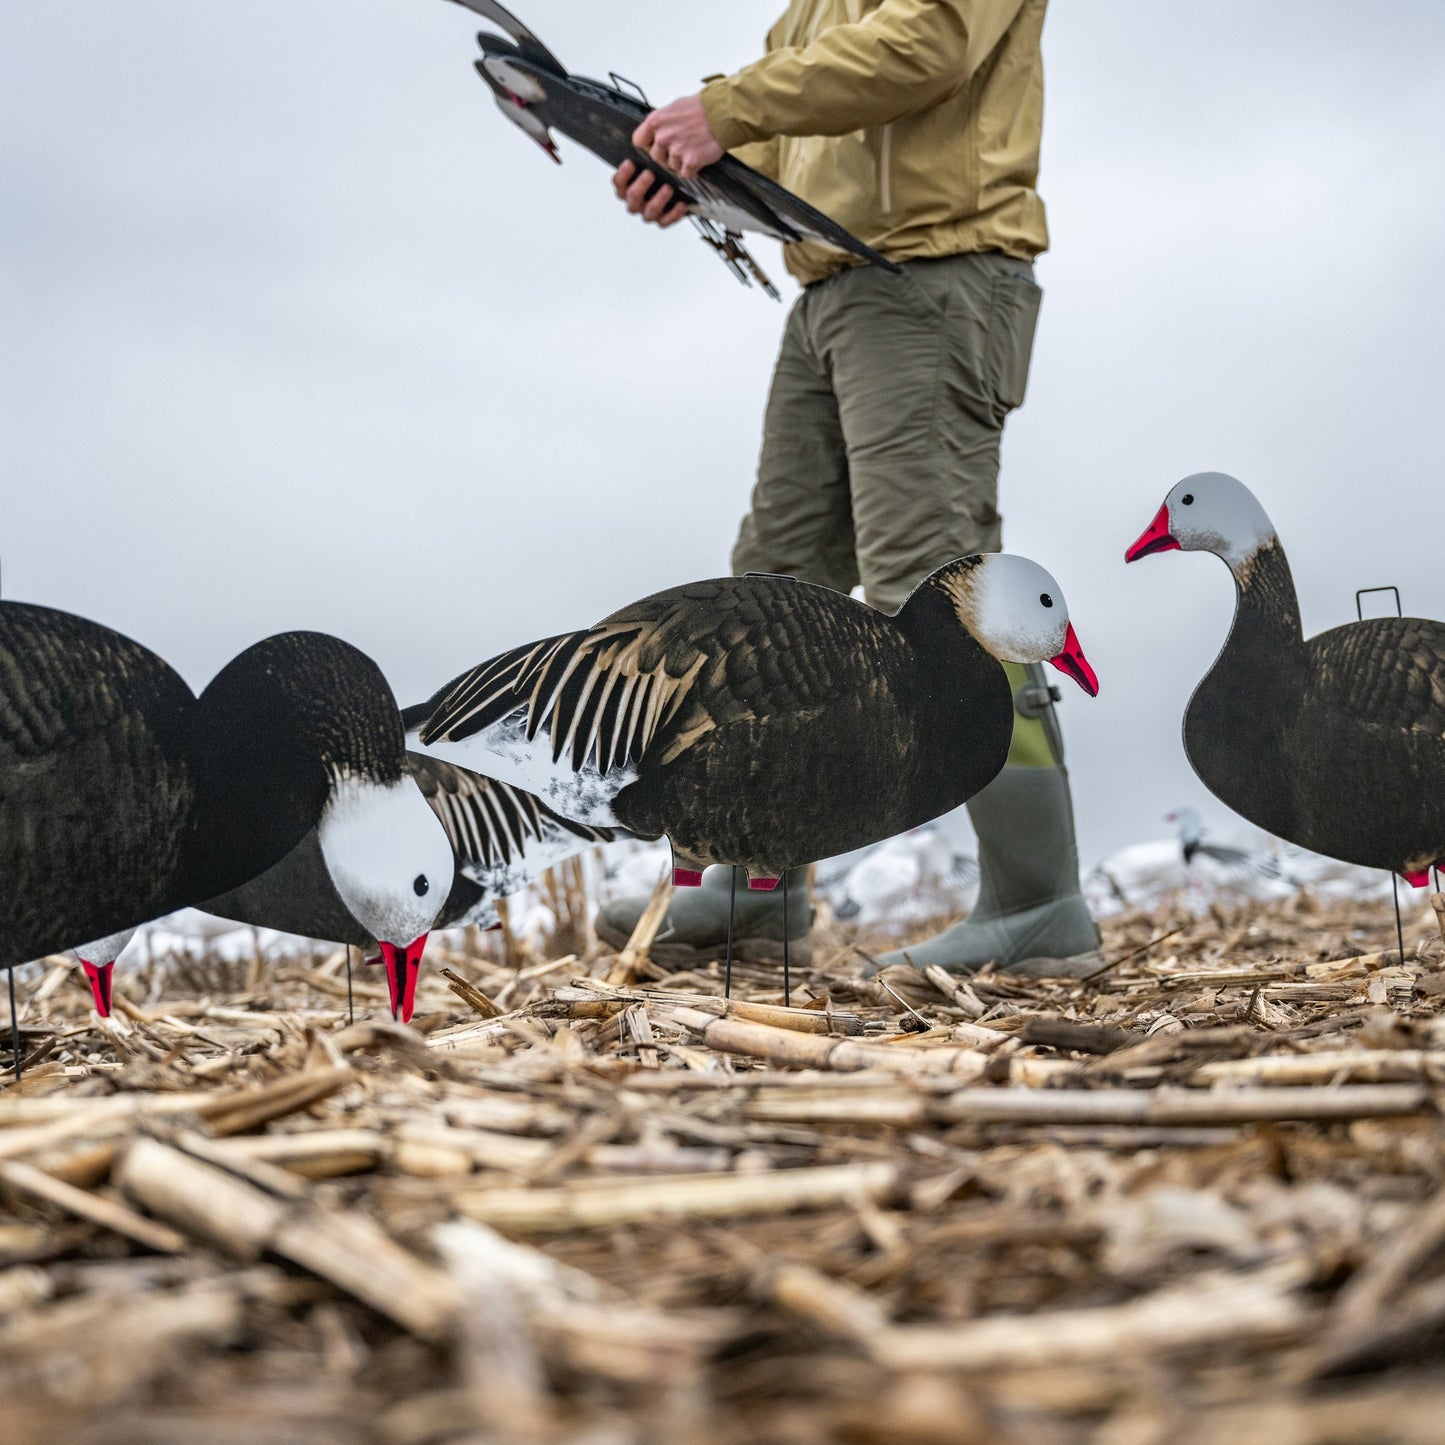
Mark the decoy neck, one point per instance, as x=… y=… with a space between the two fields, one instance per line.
x=957 y=676
x=1233 y=726
x=1266 y=612
x=935 y=614
x=277 y=732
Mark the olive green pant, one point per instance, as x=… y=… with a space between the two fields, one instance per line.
x=881 y=439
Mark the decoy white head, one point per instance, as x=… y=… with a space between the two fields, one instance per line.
x=98 y=961
x=1017 y=612
x=1188 y=822
x=391 y=863
x=1208 y=512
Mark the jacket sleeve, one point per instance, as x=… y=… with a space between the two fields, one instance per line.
x=900 y=58
x=761 y=155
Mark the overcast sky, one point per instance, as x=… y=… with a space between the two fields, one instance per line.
x=296 y=331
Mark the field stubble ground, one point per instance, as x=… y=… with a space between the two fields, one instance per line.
x=1199 y=1197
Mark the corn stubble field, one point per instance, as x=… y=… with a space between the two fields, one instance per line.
x=1196 y=1198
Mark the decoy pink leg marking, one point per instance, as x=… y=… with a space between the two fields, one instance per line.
x=686 y=878
x=762 y=885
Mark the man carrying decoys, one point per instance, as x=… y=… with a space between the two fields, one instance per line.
x=915 y=124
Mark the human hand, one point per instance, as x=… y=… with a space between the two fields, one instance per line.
x=679 y=137
x=632 y=185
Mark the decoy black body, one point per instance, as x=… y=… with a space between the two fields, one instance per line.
x=123 y=796
x=725 y=713
x=534 y=90
x=1334 y=742
x=97 y=789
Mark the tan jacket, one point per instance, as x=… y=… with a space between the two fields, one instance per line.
x=914 y=123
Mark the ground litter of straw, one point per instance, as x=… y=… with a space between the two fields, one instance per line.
x=1199 y=1197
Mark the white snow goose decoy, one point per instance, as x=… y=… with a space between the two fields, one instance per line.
x=124 y=797
x=501 y=839
x=1334 y=742
x=760 y=721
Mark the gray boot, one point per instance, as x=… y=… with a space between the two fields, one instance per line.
x=695 y=930
x=1030 y=917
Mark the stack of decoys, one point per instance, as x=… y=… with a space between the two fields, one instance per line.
x=501 y=839
x=1335 y=742
x=533 y=89
x=722 y=714
x=123 y=796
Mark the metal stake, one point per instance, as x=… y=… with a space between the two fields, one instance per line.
x=14 y=1028
x=732 y=909
x=1399 y=932
x=787 y=982
x=350 y=1007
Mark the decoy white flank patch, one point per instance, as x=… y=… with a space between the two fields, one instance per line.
x=503 y=751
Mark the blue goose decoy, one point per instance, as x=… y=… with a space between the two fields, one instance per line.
x=1334 y=742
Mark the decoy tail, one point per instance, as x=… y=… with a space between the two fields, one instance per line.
x=528 y=46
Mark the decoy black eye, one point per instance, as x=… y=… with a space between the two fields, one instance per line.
x=1046 y=599
x=1187 y=499
x=422 y=886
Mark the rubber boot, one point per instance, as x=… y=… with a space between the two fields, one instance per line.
x=695 y=929
x=1030 y=918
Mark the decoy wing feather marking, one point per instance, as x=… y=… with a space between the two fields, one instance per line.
x=1388 y=669
x=489 y=822
x=603 y=694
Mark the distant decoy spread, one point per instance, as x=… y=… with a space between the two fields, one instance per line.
x=759 y=721
x=534 y=90
x=123 y=796
x=1334 y=742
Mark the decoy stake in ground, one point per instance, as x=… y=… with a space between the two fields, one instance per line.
x=1334 y=742
x=724 y=713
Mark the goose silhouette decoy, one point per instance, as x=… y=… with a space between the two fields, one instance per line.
x=534 y=90
x=1334 y=742
x=123 y=796
x=501 y=839
x=1221 y=865
x=760 y=721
